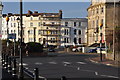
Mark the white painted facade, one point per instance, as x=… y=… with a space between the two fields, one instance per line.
x=73 y=31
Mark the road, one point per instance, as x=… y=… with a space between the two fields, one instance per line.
x=69 y=65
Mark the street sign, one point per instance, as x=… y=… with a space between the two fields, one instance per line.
x=12 y=36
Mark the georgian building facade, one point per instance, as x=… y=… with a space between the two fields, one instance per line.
x=37 y=27
x=47 y=28
x=102 y=12
x=73 y=31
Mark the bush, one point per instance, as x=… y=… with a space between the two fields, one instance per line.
x=34 y=47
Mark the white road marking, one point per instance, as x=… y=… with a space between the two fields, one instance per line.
x=24 y=64
x=66 y=62
x=38 y=63
x=78 y=68
x=96 y=73
x=52 y=62
x=80 y=62
x=109 y=76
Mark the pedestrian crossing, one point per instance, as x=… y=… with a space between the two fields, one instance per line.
x=64 y=62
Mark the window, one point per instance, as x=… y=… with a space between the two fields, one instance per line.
x=97 y=11
x=30 y=32
x=53 y=22
x=67 y=32
x=79 y=23
x=14 y=24
x=31 y=39
x=39 y=23
x=31 y=24
x=14 y=31
x=75 y=40
x=39 y=32
x=79 y=32
x=11 y=31
x=39 y=39
x=65 y=40
x=75 y=31
x=96 y=23
x=74 y=23
x=14 y=19
x=11 y=19
x=102 y=10
x=102 y=21
x=11 y=25
x=43 y=23
x=66 y=23
x=31 y=18
x=93 y=24
x=39 y=18
x=79 y=41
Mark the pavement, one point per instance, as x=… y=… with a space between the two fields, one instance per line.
x=105 y=62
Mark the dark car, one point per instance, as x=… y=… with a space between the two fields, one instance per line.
x=51 y=50
x=93 y=50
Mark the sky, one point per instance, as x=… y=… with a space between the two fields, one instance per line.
x=70 y=9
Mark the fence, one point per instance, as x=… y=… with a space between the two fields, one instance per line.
x=10 y=64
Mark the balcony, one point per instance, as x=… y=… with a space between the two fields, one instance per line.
x=51 y=35
x=50 y=30
x=51 y=24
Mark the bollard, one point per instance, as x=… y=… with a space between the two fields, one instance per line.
x=14 y=68
x=36 y=74
x=63 y=78
x=9 y=65
x=6 y=61
x=3 y=61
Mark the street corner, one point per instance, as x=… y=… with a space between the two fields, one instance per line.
x=105 y=62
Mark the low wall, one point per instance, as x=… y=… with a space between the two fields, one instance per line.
x=111 y=56
x=86 y=49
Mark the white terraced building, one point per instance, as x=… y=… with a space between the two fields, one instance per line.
x=73 y=31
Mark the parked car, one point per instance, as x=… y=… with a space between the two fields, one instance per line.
x=93 y=50
x=51 y=50
x=103 y=49
x=77 y=49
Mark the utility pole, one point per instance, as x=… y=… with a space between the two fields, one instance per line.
x=7 y=20
x=101 y=25
x=21 y=60
x=114 y=29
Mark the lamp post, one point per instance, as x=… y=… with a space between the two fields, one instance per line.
x=7 y=20
x=114 y=15
x=21 y=60
x=101 y=25
x=34 y=34
x=18 y=21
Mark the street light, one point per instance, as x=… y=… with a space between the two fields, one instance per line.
x=18 y=21
x=101 y=25
x=114 y=29
x=7 y=20
x=21 y=60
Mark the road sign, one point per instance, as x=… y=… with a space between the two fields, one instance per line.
x=12 y=36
